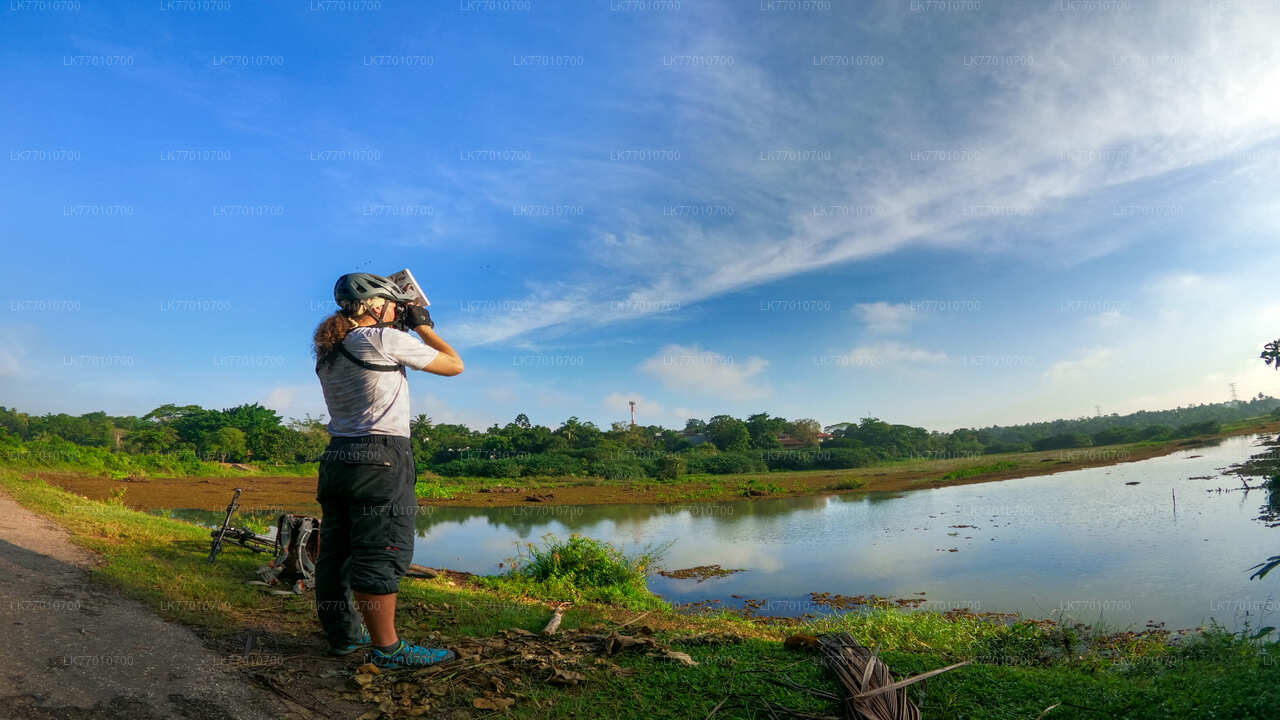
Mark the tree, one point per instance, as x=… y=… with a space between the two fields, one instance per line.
x=728 y=433
x=1271 y=354
x=694 y=426
x=160 y=439
x=805 y=430
x=226 y=443
x=522 y=421
x=764 y=430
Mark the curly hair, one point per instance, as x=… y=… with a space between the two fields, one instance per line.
x=331 y=331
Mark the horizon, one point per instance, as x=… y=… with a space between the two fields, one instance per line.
x=1047 y=212
x=824 y=425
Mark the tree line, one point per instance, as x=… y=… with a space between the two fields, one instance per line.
x=721 y=444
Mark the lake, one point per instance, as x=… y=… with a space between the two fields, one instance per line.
x=1080 y=543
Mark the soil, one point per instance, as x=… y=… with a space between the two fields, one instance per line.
x=297 y=494
x=75 y=649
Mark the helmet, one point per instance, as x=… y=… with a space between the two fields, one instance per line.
x=355 y=287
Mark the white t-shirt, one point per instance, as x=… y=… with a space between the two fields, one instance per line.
x=369 y=402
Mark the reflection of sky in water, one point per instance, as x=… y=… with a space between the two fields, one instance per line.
x=1080 y=540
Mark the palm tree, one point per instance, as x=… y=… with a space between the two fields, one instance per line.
x=1271 y=354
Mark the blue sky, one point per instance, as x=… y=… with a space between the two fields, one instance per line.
x=939 y=213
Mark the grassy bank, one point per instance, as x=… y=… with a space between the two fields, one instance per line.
x=54 y=453
x=267 y=489
x=1020 y=668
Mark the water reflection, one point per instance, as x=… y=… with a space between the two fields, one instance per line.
x=1123 y=544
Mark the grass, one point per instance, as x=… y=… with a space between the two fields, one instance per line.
x=979 y=470
x=581 y=568
x=435 y=490
x=1020 y=668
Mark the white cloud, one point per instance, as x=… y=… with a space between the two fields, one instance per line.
x=886 y=317
x=884 y=354
x=1093 y=108
x=1081 y=367
x=692 y=369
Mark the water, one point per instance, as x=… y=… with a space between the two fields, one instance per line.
x=1079 y=543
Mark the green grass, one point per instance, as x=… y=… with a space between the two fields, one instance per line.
x=54 y=453
x=1021 y=668
x=435 y=490
x=580 y=568
x=979 y=470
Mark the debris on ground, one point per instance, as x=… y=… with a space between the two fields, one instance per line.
x=495 y=673
x=699 y=573
x=836 y=601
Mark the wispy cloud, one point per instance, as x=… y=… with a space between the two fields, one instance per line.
x=890 y=354
x=1082 y=366
x=704 y=372
x=883 y=317
x=1029 y=115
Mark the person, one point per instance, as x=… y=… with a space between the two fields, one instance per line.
x=367 y=473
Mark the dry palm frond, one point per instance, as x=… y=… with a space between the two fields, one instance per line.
x=871 y=692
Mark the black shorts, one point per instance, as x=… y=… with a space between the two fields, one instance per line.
x=366 y=492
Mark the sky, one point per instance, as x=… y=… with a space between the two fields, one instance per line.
x=946 y=213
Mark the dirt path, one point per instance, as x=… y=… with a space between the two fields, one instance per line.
x=74 y=649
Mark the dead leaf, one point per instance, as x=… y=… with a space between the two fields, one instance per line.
x=802 y=642
x=677 y=656
x=566 y=677
x=493 y=703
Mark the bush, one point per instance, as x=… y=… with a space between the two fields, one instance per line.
x=1208 y=427
x=554 y=464
x=1007 y=447
x=671 y=468
x=1063 y=441
x=582 y=568
x=725 y=463
x=619 y=469
x=841 y=458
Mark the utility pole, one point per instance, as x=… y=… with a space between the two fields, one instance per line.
x=632 y=403
x=1234 y=400
x=1098 y=409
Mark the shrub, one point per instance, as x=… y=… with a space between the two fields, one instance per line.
x=671 y=468
x=552 y=464
x=619 y=469
x=582 y=568
x=725 y=463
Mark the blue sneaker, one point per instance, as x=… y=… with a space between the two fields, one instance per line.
x=364 y=643
x=408 y=655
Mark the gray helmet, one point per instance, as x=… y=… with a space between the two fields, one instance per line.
x=354 y=287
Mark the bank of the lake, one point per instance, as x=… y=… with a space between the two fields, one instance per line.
x=297 y=493
x=1018 y=670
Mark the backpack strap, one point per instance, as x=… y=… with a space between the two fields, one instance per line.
x=342 y=348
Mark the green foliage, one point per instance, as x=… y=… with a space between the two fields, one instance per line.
x=582 y=568
x=619 y=468
x=753 y=487
x=979 y=470
x=433 y=490
x=176 y=439
x=671 y=468
x=726 y=463
x=728 y=433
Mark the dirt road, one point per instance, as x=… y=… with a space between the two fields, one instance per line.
x=74 y=649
